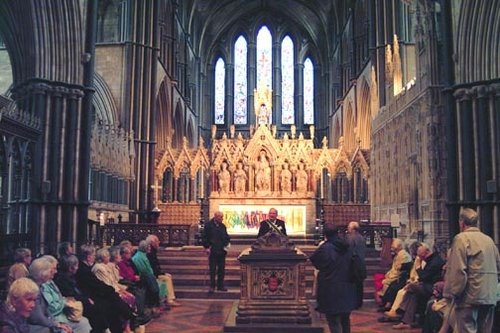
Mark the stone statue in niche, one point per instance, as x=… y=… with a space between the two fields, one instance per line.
x=263 y=116
x=301 y=176
x=224 y=179
x=240 y=179
x=286 y=179
x=263 y=173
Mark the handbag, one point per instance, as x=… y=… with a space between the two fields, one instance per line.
x=73 y=309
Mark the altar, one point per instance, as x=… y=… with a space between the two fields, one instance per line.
x=244 y=219
x=245 y=176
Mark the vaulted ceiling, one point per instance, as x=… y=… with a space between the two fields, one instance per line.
x=210 y=20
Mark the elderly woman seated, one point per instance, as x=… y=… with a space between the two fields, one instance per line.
x=154 y=290
x=108 y=272
x=50 y=306
x=117 y=311
x=22 y=258
x=20 y=302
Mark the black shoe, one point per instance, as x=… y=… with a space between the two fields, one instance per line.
x=211 y=290
x=222 y=289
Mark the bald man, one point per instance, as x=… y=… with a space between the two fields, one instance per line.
x=272 y=222
x=215 y=238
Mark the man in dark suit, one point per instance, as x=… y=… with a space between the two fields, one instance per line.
x=358 y=244
x=272 y=223
x=215 y=240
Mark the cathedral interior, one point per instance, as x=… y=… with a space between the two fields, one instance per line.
x=164 y=111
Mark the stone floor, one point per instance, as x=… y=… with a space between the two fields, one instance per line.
x=209 y=316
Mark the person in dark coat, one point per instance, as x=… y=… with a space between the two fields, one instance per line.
x=271 y=223
x=336 y=293
x=117 y=311
x=215 y=238
x=66 y=282
x=358 y=244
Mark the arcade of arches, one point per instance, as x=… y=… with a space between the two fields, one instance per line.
x=369 y=110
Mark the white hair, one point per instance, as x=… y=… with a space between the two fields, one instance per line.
x=101 y=254
x=40 y=270
x=21 y=288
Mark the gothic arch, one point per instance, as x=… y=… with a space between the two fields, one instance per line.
x=190 y=133
x=163 y=116
x=337 y=132
x=179 y=128
x=349 y=127
x=61 y=28
x=471 y=36
x=104 y=103
x=364 y=116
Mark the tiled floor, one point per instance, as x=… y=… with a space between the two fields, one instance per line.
x=209 y=316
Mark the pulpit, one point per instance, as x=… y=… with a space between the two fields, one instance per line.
x=273 y=289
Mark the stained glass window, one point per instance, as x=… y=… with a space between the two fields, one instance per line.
x=220 y=88
x=308 y=92
x=240 y=81
x=264 y=59
x=287 y=83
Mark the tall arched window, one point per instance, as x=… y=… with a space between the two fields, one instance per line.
x=220 y=88
x=287 y=82
x=264 y=57
x=308 y=92
x=253 y=69
x=240 y=81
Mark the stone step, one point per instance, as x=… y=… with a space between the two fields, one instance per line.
x=189 y=268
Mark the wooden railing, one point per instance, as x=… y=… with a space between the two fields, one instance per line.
x=169 y=234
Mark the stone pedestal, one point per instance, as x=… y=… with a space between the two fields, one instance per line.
x=272 y=289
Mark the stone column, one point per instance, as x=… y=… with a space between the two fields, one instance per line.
x=466 y=146
x=252 y=78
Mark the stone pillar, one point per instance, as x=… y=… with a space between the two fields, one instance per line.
x=229 y=94
x=252 y=78
x=466 y=146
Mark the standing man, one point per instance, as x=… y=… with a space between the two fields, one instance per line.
x=472 y=276
x=215 y=239
x=272 y=223
x=358 y=245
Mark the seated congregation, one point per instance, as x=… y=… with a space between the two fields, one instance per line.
x=117 y=289
x=409 y=289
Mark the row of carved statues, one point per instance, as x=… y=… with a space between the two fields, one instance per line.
x=262 y=177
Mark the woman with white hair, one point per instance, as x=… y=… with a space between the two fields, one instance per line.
x=107 y=272
x=50 y=305
x=21 y=298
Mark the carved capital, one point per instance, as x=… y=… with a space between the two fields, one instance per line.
x=481 y=91
x=462 y=95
